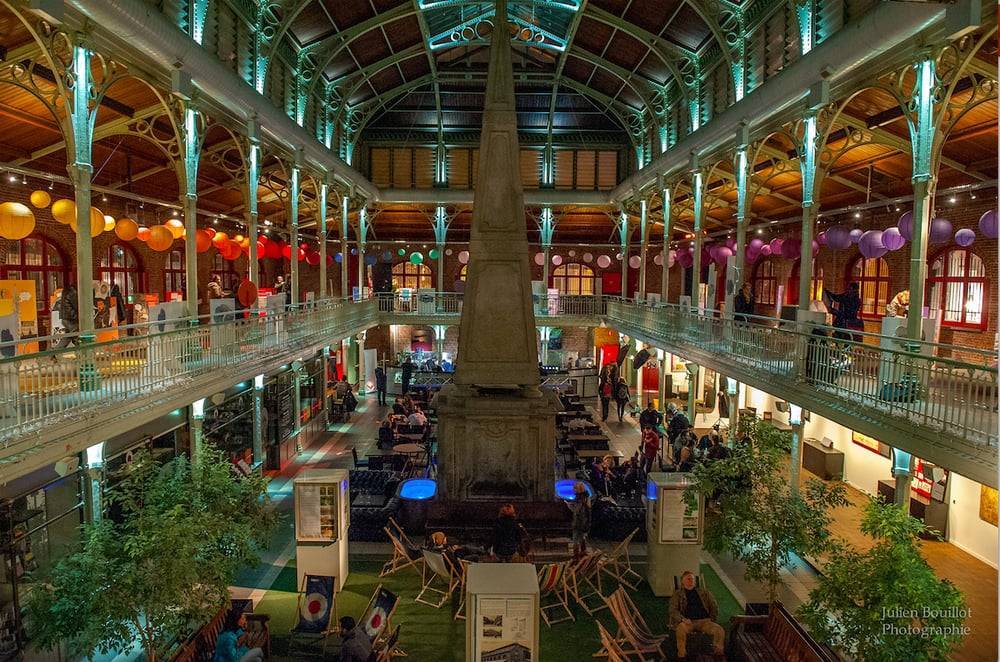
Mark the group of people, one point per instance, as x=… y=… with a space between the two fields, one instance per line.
x=404 y=412
x=612 y=386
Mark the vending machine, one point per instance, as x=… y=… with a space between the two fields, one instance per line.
x=322 y=517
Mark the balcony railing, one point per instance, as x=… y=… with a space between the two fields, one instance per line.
x=449 y=304
x=913 y=381
x=60 y=385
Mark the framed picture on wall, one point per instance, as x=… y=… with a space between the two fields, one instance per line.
x=988 y=504
x=872 y=444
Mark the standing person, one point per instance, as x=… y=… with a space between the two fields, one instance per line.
x=744 y=303
x=650 y=448
x=621 y=397
x=407 y=374
x=580 y=507
x=69 y=317
x=606 y=391
x=380 y=385
x=650 y=418
x=845 y=315
x=693 y=609
x=677 y=425
x=215 y=287
x=231 y=643
x=355 y=644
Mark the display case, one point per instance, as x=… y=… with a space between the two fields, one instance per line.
x=228 y=425
x=322 y=517
x=502 y=608
x=675 y=523
x=279 y=406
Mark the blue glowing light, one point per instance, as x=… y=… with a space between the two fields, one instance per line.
x=418 y=489
x=564 y=488
x=651 y=490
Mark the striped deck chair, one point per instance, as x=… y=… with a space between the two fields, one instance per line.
x=401 y=555
x=610 y=647
x=438 y=580
x=633 y=637
x=463 y=574
x=552 y=599
x=583 y=582
x=619 y=565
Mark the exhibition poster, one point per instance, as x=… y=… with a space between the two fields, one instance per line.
x=504 y=629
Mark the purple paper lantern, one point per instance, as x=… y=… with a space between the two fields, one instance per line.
x=870 y=244
x=756 y=243
x=940 y=231
x=821 y=238
x=838 y=237
x=855 y=235
x=893 y=239
x=765 y=250
x=776 y=245
x=988 y=224
x=965 y=237
x=752 y=254
x=791 y=249
x=731 y=244
x=722 y=254
x=815 y=247
x=905 y=225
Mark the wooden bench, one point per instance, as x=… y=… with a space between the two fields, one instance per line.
x=200 y=646
x=778 y=637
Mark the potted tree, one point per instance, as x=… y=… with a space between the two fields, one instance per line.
x=162 y=564
x=760 y=520
x=885 y=603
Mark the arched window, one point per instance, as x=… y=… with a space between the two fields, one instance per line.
x=765 y=283
x=120 y=265
x=36 y=258
x=173 y=272
x=225 y=270
x=573 y=278
x=815 y=287
x=407 y=274
x=957 y=284
x=872 y=277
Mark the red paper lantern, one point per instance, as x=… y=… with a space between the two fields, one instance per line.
x=219 y=239
x=230 y=250
x=210 y=231
x=274 y=250
x=202 y=241
x=301 y=255
x=329 y=260
x=247 y=293
x=312 y=259
x=286 y=251
x=261 y=249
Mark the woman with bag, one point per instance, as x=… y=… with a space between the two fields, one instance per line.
x=622 y=397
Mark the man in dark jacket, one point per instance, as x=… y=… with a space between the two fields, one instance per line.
x=744 y=303
x=69 y=317
x=355 y=645
x=678 y=424
x=380 y=385
x=693 y=609
x=845 y=314
x=650 y=418
x=407 y=374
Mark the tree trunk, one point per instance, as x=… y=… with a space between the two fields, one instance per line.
x=772 y=583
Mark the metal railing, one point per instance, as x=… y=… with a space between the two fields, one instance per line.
x=908 y=380
x=62 y=384
x=449 y=304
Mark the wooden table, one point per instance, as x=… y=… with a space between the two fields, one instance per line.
x=583 y=442
x=409 y=449
x=616 y=454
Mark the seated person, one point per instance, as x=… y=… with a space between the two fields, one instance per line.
x=385 y=436
x=417 y=418
x=718 y=450
x=678 y=423
x=628 y=477
x=509 y=536
x=231 y=644
x=355 y=644
x=693 y=609
x=455 y=553
x=706 y=439
x=688 y=440
x=398 y=409
x=600 y=479
x=685 y=461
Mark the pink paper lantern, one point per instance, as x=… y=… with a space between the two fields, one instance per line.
x=776 y=245
x=463 y=257
x=588 y=257
x=658 y=259
x=604 y=262
x=905 y=225
x=756 y=244
x=965 y=237
x=557 y=260
x=539 y=259
x=988 y=224
x=634 y=262
x=722 y=254
x=821 y=238
x=815 y=247
x=893 y=239
x=671 y=259
x=765 y=250
x=731 y=244
x=870 y=244
x=940 y=231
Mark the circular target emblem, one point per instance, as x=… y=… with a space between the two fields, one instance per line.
x=314 y=607
x=376 y=622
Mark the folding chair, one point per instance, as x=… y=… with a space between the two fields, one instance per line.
x=377 y=617
x=580 y=582
x=618 y=564
x=437 y=579
x=610 y=647
x=633 y=636
x=312 y=607
x=463 y=574
x=401 y=556
x=388 y=650
x=552 y=594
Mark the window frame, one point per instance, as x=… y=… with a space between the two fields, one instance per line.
x=226 y=272
x=412 y=276
x=561 y=280
x=107 y=273
x=965 y=279
x=173 y=274
x=759 y=280
x=878 y=280
x=22 y=268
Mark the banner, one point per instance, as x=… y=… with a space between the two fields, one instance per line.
x=316 y=604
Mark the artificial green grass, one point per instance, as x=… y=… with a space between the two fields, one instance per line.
x=432 y=634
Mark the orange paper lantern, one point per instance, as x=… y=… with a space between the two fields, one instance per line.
x=160 y=238
x=202 y=241
x=126 y=229
x=176 y=228
x=16 y=220
x=220 y=239
x=109 y=223
x=143 y=233
x=246 y=294
x=64 y=211
x=96 y=222
x=40 y=199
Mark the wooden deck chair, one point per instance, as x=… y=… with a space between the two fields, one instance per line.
x=583 y=582
x=463 y=575
x=552 y=599
x=401 y=552
x=633 y=636
x=609 y=647
x=320 y=603
x=388 y=649
x=618 y=563
x=376 y=619
x=438 y=579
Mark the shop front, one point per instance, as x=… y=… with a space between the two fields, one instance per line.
x=312 y=391
x=228 y=424
x=279 y=419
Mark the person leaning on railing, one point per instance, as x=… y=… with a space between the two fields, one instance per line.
x=744 y=303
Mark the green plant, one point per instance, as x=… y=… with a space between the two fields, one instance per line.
x=885 y=603
x=180 y=534
x=761 y=521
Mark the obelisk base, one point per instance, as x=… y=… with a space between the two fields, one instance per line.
x=496 y=445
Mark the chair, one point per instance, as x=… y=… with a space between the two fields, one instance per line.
x=401 y=556
x=618 y=564
x=580 y=582
x=552 y=594
x=463 y=575
x=437 y=579
x=633 y=636
x=316 y=607
x=388 y=650
x=377 y=617
x=358 y=464
x=610 y=647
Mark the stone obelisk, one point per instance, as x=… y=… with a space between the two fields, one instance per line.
x=496 y=427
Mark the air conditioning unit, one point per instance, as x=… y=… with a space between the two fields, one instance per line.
x=68 y=465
